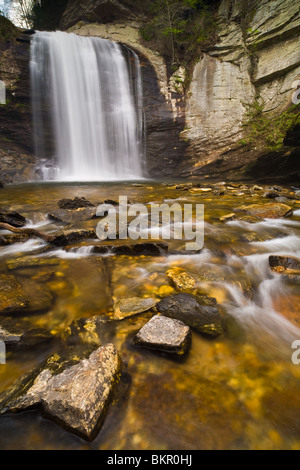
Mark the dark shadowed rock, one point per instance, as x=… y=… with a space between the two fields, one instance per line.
x=284 y=263
x=39 y=296
x=164 y=334
x=132 y=306
x=112 y=202
x=138 y=249
x=271 y=194
x=12 y=218
x=69 y=216
x=194 y=311
x=74 y=203
x=67 y=237
x=288 y=266
x=12 y=296
x=77 y=397
x=11 y=238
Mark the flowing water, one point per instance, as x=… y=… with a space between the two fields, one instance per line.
x=238 y=391
x=87 y=107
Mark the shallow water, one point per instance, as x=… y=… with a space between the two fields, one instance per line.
x=238 y=391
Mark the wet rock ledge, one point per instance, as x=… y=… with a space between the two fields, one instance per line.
x=76 y=397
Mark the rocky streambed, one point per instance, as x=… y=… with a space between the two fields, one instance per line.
x=140 y=344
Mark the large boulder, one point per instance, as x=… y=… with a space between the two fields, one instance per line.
x=11 y=217
x=74 y=203
x=78 y=396
x=200 y=313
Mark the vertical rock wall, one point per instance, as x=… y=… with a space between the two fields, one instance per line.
x=257 y=56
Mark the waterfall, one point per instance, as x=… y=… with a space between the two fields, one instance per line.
x=87 y=106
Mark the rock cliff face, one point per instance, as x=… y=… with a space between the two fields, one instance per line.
x=17 y=162
x=256 y=56
x=196 y=132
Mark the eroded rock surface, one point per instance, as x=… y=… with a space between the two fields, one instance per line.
x=78 y=396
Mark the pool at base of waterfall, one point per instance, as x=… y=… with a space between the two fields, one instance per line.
x=236 y=390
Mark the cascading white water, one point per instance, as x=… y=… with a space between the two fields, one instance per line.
x=89 y=97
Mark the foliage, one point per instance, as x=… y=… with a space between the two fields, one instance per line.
x=18 y=11
x=46 y=14
x=38 y=14
x=178 y=28
x=268 y=131
x=7 y=30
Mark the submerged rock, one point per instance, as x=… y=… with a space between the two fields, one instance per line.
x=284 y=261
x=228 y=217
x=164 y=334
x=111 y=202
x=74 y=203
x=198 y=312
x=12 y=296
x=181 y=279
x=137 y=249
x=10 y=337
x=69 y=216
x=78 y=396
x=267 y=211
x=132 y=306
x=284 y=264
x=11 y=238
x=67 y=237
x=12 y=218
x=40 y=298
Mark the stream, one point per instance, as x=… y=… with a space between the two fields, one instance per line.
x=239 y=390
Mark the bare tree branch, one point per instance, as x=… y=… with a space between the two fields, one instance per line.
x=31 y=232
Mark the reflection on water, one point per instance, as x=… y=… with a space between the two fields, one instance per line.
x=238 y=391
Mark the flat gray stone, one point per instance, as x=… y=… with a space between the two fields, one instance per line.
x=8 y=337
x=164 y=334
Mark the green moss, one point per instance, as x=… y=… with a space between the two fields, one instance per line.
x=269 y=132
x=179 y=30
x=46 y=14
x=8 y=32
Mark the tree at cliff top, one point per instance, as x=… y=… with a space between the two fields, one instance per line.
x=18 y=11
x=178 y=29
x=46 y=14
x=7 y=30
x=38 y=14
